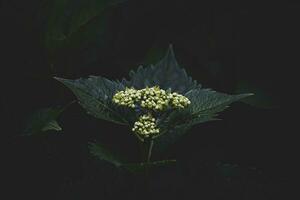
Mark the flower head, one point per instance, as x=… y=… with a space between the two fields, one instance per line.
x=178 y=100
x=151 y=98
x=154 y=98
x=146 y=126
x=127 y=98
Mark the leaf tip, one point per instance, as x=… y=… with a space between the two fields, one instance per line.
x=248 y=94
x=170 y=51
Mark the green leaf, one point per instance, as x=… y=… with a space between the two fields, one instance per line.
x=261 y=99
x=204 y=107
x=101 y=153
x=95 y=96
x=155 y=53
x=76 y=29
x=207 y=103
x=52 y=125
x=167 y=74
x=43 y=120
x=169 y=137
x=67 y=17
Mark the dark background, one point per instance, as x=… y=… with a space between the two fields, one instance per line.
x=230 y=47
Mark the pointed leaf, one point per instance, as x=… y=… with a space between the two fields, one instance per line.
x=167 y=74
x=52 y=125
x=69 y=17
x=208 y=102
x=102 y=153
x=43 y=120
x=205 y=104
x=262 y=98
x=95 y=96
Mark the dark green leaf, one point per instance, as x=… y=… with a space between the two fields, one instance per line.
x=262 y=98
x=70 y=16
x=167 y=74
x=52 y=125
x=95 y=95
x=154 y=54
x=206 y=102
x=43 y=120
x=101 y=153
x=76 y=29
x=169 y=137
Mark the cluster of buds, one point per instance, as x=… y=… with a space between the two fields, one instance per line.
x=146 y=126
x=178 y=100
x=128 y=98
x=152 y=99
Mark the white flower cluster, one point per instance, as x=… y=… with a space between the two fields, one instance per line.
x=146 y=126
x=178 y=100
x=152 y=99
x=127 y=98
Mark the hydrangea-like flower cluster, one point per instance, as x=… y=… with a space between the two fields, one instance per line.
x=178 y=100
x=128 y=98
x=154 y=98
x=151 y=99
x=146 y=126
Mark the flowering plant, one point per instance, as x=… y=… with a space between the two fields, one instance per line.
x=159 y=103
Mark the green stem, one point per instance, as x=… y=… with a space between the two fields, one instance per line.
x=150 y=151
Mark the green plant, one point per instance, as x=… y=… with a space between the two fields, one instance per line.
x=159 y=103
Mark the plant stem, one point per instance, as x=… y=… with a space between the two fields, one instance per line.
x=150 y=151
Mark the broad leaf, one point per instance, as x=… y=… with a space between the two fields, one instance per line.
x=204 y=107
x=262 y=98
x=43 y=120
x=101 y=153
x=95 y=96
x=69 y=17
x=167 y=74
x=206 y=102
